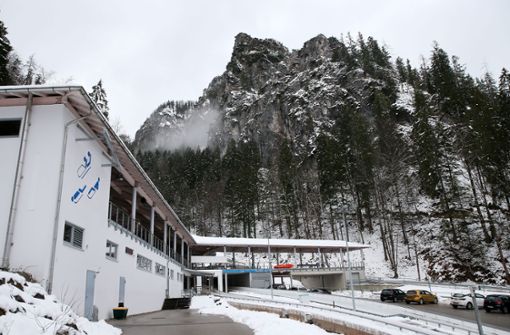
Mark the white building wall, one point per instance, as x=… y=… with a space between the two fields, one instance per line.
x=33 y=233
x=38 y=192
x=9 y=148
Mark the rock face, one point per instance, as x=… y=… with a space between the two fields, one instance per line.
x=267 y=94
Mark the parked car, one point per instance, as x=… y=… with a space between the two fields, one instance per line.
x=466 y=300
x=294 y=288
x=420 y=296
x=320 y=290
x=497 y=302
x=392 y=294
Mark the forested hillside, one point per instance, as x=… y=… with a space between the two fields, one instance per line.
x=340 y=133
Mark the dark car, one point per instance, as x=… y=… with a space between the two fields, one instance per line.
x=320 y=290
x=497 y=302
x=392 y=294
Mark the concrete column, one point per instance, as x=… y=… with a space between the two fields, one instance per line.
x=189 y=256
x=153 y=214
x=294 y=255
x=233 y=259
x=341 y=258
x=320 y=257
x=301 y=259
x=133 y=209
x=277 y=258
x=165 y=238
x=175 y=243
x=226 y=282
x=182 y=251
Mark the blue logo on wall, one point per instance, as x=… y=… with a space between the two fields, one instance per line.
x=84 y=168
x=81 y=172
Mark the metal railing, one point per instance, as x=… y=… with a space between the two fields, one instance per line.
x=437 y=326
x=354 y=266
x=120 y=218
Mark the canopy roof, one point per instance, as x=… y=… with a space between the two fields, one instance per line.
x=205 y=244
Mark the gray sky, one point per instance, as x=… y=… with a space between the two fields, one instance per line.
x=151 y=51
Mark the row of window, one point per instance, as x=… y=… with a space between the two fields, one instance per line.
x=73 y=235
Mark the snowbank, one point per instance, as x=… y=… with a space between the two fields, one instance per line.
x=26 y=309
x=261 y=323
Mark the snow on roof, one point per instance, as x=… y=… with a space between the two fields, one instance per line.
x=302 y=245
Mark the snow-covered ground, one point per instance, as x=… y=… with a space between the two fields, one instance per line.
x=26 y=309
x=261 y=323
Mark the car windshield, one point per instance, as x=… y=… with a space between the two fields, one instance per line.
x=492 y=297
x=387 y=291
x=411 y=292
x=458 y=295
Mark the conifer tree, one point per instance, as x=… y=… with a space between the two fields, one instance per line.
x=5 y=50
x=98 y=95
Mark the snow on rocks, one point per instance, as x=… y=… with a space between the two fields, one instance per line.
x=27 y=309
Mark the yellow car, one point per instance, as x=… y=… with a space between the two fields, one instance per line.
x=420 y=296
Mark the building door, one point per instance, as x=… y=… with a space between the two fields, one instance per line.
x=90 y=284
x=122 y=289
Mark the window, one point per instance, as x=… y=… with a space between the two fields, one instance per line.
x=73 y=235
x=143 y=263
x=172 y=274
x=160 y=269
x=111 y=250
x=10 y=128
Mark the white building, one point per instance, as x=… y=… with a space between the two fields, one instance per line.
x=76 y=209
x=79 y=213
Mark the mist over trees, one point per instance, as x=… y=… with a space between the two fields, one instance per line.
x=417 y=157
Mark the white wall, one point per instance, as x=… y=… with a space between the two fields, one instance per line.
x=38 y=192
x=145 y=291
x=9 y=149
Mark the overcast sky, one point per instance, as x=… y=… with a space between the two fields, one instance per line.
x=151 y=51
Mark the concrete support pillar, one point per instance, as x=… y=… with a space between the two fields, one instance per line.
x=189 y=256
x=277 y=258
x=182 y=252
x=341 y=258
x=175 y=243
x=233 y=259
x=153 y=214
x=320 y=257
x=226 y=282
x=300 y=259
x=165 y=238
x=133 y=209
x=294 y=255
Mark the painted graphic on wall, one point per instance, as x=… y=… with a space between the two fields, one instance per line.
x=93 y=189
x=82 y=170
x=78 y=194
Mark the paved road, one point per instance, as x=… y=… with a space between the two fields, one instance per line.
x=493 y=319
x=180 y=321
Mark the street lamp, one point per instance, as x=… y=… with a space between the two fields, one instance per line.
x=269 y=260
x=349 y=262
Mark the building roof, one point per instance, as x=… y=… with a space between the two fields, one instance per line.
x=205 y=243
x=79 y=103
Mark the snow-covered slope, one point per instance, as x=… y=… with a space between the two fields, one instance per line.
x=27 y=309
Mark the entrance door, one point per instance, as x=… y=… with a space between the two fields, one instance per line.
x=90 y=284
